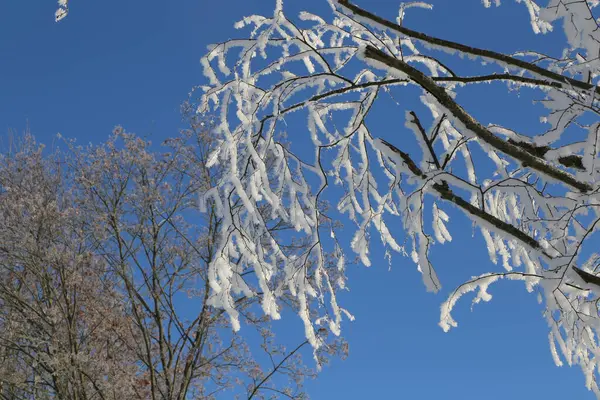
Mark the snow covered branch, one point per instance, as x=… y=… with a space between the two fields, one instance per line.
x=294 y=130
x=472 y=125
x=564 y=81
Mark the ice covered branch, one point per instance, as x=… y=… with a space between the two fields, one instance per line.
x=473 y=125
x=533 y=198
x=564 y=82
x=446 y=193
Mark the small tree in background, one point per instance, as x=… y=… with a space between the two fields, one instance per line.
x=104 y=281
x=533 y=198
x=63 y=324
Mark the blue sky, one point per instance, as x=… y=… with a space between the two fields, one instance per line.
x=135 y=63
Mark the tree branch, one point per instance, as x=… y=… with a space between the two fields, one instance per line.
x=484 y=134
x=587 y=277
x=447 y=194
x=498 y=77
x=562 y=80
x=417 y=122
x=275 y=369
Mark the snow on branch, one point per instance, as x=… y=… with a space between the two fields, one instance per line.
x=293 y=133
x=62 y=10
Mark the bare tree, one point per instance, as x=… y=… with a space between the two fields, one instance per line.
x=533 y=198
x=62 y=319
x=104 y=280
x=142 y=203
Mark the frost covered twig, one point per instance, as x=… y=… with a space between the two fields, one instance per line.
x=535 y=199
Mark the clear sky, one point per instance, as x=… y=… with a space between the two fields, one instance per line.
x=134 y=62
